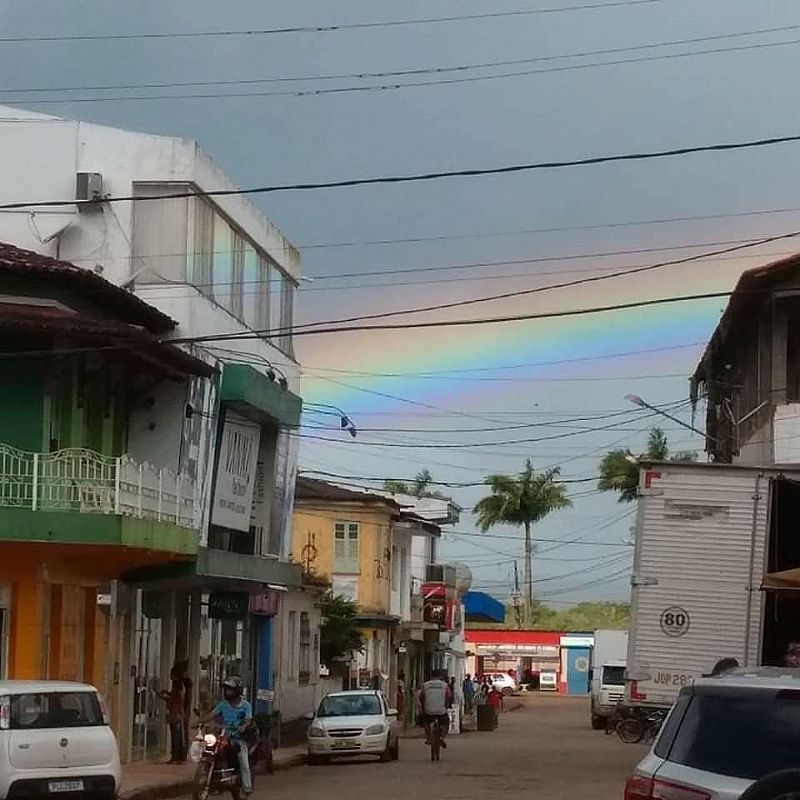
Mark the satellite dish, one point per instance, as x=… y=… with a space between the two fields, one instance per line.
x=463 y=576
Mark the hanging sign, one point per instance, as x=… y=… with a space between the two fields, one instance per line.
x=236 y=474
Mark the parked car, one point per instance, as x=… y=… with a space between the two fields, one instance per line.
x=723 y=734
x=55 y=741
x=353 y=723
x=504 y=682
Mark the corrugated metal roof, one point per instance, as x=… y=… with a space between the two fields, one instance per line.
x=16 y=262
x=315 y=489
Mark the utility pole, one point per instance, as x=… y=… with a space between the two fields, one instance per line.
x=528 y=578
x=515 y=597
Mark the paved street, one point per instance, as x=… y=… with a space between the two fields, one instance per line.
x=544 y=750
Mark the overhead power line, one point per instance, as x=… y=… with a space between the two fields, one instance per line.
x=428 y=176
x=88 y=37
x=365 y=74
x=392 y=87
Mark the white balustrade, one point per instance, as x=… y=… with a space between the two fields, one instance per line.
x=76 y=479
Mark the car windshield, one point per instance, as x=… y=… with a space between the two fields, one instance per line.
x=741 y=737
x=55 y=710
x=355 y=705
x=614 y=676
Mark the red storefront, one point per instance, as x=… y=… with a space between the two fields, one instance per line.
x=522 y=651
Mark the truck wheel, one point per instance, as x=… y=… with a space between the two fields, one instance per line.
x=598 y=722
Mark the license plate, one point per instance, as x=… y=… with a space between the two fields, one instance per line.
x=65 y=786
x=345 y=744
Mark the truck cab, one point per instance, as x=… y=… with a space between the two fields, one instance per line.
x=609 y=659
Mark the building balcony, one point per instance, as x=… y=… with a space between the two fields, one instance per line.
x=78 y=496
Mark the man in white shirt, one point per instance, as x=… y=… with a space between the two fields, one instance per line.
x=436 y=697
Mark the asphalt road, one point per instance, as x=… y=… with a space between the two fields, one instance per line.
x=544 y=750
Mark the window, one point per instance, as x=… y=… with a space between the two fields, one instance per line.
x=287 y=315
x=237 y=276
x=304 y=676
x=345 y=547
x=350 y=705
x=614 y=676
x=265 y=293
x=742 y=736
x=203 y=246
x=222 y=268
x=345 y=586
x=251 y=287
x=55 y=710
x=291 y=641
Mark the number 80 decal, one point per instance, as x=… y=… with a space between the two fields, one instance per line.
x=675 y=621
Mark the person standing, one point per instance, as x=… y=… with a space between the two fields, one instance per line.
x=179 y=703
x=401 y=696
x=468 y=690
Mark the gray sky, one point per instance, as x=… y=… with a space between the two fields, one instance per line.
x=649 y=105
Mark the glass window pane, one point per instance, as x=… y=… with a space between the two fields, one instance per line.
x=251 y=288
x=222 y=271
x=237 y=277
x=287 y=314
x=274 y=301
x=203 y=245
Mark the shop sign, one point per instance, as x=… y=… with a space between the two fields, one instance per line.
x=228 y=605
x=236 y=474
x=435 y=612
x=264 y=604
x=266 y=695
x=518 y=649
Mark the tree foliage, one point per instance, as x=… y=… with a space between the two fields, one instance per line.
x=419 y=488
x=587 y=616
x=339 y=633
x=522 y=499
x=619 y=469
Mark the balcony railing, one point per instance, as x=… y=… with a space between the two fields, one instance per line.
x=81 y=480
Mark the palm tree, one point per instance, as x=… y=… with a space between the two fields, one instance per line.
x=619 y=469
x=522 y=500
x=420 y=488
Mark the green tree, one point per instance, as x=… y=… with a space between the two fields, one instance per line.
x=522 y=500
x=619 y=469
x=420 y=488
x=339 y=633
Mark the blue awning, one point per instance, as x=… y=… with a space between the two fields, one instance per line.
x=481 y=607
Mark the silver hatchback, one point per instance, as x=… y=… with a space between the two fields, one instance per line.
x=722 y=734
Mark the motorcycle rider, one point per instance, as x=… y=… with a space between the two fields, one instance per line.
x=237 y=717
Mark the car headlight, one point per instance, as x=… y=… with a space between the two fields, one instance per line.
x=210 y=740
x=374 y=730
x=316 y=732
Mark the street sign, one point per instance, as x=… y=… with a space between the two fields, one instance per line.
x=675 y=621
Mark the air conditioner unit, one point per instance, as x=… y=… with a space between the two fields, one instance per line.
x=88 y=186
x=440 y=573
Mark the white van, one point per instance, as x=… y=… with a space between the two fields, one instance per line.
x=55 y=741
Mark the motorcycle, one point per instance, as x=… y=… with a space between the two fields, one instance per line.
x=217 y=760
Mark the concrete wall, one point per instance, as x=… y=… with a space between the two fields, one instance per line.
x=292 y=698
x=375 y=541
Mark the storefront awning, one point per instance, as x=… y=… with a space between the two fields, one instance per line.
x=786 y=580
x=481 y=607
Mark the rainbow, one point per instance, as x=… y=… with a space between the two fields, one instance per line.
x=681 y=327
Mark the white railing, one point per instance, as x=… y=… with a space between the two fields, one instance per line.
x=88 y=482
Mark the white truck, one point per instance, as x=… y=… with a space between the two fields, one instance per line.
x=706 y=537
x=609 y=656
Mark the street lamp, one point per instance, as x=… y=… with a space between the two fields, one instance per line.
x=637 y=401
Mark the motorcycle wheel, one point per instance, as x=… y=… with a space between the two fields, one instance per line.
x=202 y=781
x=631 y=731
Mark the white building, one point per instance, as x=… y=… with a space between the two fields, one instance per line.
x=216 y=265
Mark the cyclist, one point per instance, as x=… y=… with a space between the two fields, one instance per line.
x=436 y=697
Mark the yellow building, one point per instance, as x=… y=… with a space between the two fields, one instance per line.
x=346 y=537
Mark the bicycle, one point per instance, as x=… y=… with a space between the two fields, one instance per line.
x=634 y=729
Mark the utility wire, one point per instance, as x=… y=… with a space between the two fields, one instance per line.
x=324 y=28
x=365 y=75
x=428 y=176
x=392 y=87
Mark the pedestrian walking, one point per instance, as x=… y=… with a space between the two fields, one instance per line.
x=179 y=703
x=401 y=697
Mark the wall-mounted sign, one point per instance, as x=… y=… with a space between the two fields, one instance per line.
x=236 y=474
x=228 y=605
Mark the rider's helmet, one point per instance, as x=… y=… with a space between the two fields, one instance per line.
x=232 y=687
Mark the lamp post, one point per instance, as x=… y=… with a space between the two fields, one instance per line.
x=637 y=401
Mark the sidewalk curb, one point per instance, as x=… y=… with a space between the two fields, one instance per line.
x=167 y=791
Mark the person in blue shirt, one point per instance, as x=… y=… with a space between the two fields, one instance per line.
x=237 y=717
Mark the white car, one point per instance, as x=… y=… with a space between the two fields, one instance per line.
x=55 y=741
x=722 y=734
x=353 y=723
x=503 y=682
